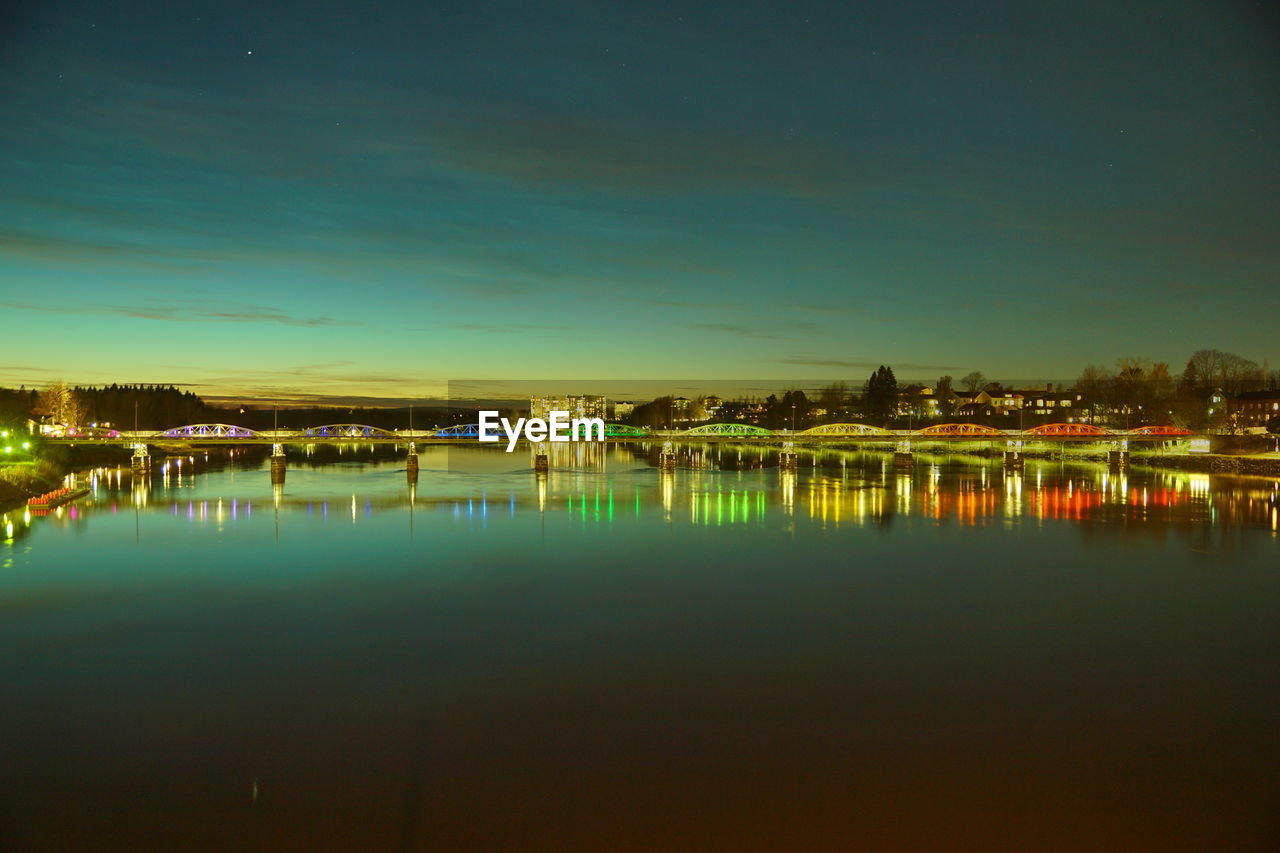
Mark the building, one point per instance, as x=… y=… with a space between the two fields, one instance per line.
x=930 y=404
x=1061 y=401
x=622 y=409
x=976 y=403
x=919 y=401
x=585 y=406
x=1254 y=408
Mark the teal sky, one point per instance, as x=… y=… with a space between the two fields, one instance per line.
x=276 y=199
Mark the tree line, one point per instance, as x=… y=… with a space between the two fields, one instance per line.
x=157 y=407
x=1136 y=392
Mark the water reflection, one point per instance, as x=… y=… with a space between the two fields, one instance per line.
x=713 y=486
x=618 y=639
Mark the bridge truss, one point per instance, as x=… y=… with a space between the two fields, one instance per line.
x=624 y=431
x=208 y=431
x=962 y=430
x=727 y=429
x=459 y=431
x=348 y=431
x=1085 y=430
x=1159 y=430
x=844 y=430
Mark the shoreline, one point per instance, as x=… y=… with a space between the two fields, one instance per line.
x=15 y=491
x=1217 y=463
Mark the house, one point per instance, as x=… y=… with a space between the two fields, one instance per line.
x=1254 y=408
x=981 y=403
x=1052 y=401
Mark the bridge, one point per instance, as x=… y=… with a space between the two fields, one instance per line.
x=211 y=434
x=901 y=441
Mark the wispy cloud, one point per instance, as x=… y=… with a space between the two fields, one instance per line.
x=186 y=313
x=734 y=329
x=778 y=331
x=509 y=327
x=824 y=361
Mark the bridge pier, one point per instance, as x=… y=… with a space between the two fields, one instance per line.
x=1013 y=455
x=541 y=458
x=787 y=458
x=1118 y=457
x=277 y=464
x=902 y=455
x=411 y=464
x=667 y=458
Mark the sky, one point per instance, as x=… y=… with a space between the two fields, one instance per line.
x=373 y=200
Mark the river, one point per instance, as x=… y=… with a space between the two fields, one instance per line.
x=730 y=656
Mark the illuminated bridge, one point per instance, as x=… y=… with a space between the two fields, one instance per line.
x=842 y=432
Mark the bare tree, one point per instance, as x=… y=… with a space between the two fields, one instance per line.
x=60 y=404
x=974 y=381
x=1142 y=390
x=698 y=408
x=1215 y=370
x=1094 y=385
x=834 y=398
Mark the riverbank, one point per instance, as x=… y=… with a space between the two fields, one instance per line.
x=1264 y=464
x=27 y=480
x=23 y=480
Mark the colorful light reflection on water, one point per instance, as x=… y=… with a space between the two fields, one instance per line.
x=591 y=659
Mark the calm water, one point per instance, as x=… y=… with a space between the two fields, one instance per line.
x=610 y=658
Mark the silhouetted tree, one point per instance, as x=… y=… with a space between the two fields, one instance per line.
x=946 y=397
x=1094 y=385
x=60 y=404
x=656 y=414
x=834 y=399
x=880 y=396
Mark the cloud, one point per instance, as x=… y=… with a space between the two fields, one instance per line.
x=70 y=251
x=187 y=313
x=413 y=132
x=511 y=327
x=824 y=361
x=266 y=397
x=756 y=334
x=819 y=309
x=732 y=329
